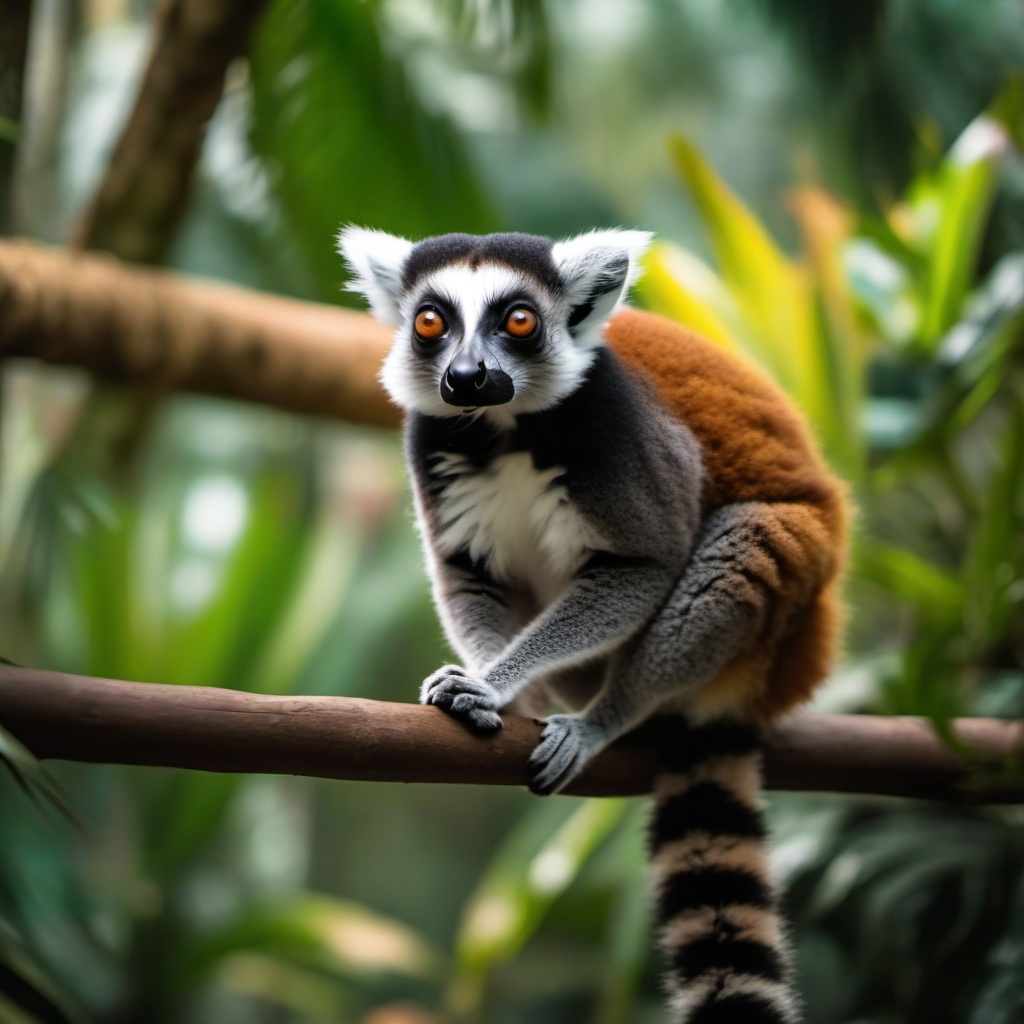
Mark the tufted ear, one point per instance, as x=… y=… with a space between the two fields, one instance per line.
x=597 y=270
x=375 y=260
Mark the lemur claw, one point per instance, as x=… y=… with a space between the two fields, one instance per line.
x=470 y=700
x=567 y=743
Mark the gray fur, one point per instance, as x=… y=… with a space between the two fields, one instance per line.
x=574 y=569
x=571 y=564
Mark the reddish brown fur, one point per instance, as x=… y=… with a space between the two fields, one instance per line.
x=756 y=447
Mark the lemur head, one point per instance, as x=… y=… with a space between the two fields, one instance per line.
x=506 y=320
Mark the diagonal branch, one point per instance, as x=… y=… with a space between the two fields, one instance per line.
x=105 y=720
x=145 y=190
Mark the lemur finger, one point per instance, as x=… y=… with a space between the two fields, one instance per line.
x=482 y=721
x=462 y=695
x=442 y=692
x=566 y=745
x=464 y=703
x=554 y=776
x=445 y=672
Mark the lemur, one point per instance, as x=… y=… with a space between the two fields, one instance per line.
x=625 y=519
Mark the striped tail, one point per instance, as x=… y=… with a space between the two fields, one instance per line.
x=716 y=908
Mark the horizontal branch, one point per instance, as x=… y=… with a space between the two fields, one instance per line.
x=165 y=332
x=104 y=720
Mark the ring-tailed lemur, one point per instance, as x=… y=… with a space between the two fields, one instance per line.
x=628 y=520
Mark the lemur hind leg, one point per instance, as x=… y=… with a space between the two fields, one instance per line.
x=717 y=612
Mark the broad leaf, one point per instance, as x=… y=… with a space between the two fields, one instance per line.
x=347 y=137
x=315 y=931
x=538 y=862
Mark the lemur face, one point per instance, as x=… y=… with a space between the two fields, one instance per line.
x=504 y=322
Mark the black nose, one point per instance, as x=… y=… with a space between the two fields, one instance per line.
x=469 y=382
x=465 y=379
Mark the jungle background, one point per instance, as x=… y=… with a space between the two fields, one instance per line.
x=837 y=189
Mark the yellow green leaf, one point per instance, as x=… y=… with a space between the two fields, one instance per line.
x=768 y=288
x=683 y=288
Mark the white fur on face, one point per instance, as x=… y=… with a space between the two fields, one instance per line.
x=540 y=379
x=597 y=270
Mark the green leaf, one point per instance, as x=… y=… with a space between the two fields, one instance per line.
x=768 y=290
x=1002 y=997
x=28 y=987
x=224 y=642
x=181 y=818
x=347 y=137
x=908 y=576
x=314 y=931
x=306 y=993
x=838 y=347
x=982 y=345
x=957 y=200
x=628 y=934
x=996 y=555
x=798 y=322
x=510 y=37
x=33 y=777
x=538 y=861
x=680 y=286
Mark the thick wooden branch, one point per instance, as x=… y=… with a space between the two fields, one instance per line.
x=82 y=719
x=145 y=189
x=160 y=332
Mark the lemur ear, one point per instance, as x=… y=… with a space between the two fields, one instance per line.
x=597 y=270
x=375 y=260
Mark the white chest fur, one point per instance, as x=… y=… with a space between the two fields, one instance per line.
x=517 y=519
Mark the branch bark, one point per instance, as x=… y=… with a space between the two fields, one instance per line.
x=145 y=190
x=160 y=332
x=103 y=720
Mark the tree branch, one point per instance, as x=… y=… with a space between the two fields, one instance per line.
x=145 y=190
x=160 y=331
x=104 y=720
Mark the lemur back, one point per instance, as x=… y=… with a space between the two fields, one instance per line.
x=755 y=447
x=621 y=517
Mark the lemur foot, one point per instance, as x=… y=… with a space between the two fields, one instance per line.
x=566 y=745
x=471 y=701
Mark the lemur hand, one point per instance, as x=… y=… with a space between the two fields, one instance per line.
x=470 y=700
x=566 y=745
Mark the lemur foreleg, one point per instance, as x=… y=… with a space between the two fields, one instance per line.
x=716 y=612
x=474 y=608
x=609 y=602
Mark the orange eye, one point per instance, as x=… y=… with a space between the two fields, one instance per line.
x=430 y=325
x=521 y=323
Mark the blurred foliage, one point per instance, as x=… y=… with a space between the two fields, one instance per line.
x=203 y=543
x=317 y=123
x=891 y=81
